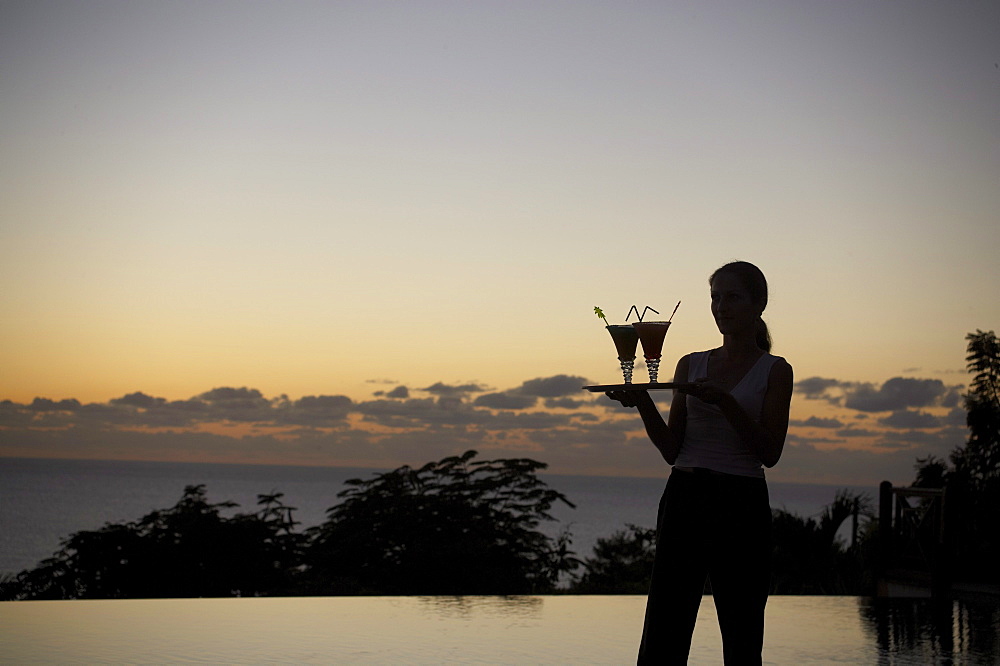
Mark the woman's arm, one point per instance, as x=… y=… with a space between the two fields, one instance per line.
x=765 y=439
x=666 y=436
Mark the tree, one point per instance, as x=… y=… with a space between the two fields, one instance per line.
x=621 y=564
x=972 y=482
x=808 y=556
x=978 y=462
x=932 y=472
x=457 y=526
x=189 y=550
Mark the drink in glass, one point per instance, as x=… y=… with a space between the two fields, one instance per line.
x=626 y=339
x=651 y=335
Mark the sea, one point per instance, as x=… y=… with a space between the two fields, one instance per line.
x=43 y=501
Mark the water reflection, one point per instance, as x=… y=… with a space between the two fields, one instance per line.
x=468 y=607
x=928 y=631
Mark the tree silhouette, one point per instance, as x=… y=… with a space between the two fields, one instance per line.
x=621 y=563
x=972 y=482
x=189 y=550
x=457 y=526
x=978 y=462
x=809 y=558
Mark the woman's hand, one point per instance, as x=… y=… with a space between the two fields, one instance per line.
x=709 y=391
x=666 y=438
x=629 y=398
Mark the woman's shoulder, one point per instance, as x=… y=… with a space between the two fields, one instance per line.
x=780 y=371
x=778 y=361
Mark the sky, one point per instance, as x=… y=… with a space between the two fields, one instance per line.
x=373 y=233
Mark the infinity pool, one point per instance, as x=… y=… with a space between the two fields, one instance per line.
x=476 y=630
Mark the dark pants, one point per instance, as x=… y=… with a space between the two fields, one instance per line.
x=714 y=526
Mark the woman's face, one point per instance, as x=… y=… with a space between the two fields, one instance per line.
x=732 y=306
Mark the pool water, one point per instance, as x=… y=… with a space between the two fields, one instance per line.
x=477 y=630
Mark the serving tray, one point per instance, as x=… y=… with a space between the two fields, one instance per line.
x=657 y=386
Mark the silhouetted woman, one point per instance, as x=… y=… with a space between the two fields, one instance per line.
x=714 y=519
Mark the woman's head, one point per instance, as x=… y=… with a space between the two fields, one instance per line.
x=752 y=281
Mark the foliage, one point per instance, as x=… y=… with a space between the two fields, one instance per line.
x=457 y=526
x=972 y=481
x=621 y=563
x=808 y=556
x=810 y=559
x=978 y=462
x=932 y=472
x=189 y=550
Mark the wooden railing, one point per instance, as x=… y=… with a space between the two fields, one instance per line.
x=913 y=541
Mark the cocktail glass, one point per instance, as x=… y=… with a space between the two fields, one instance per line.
x=626 y=339
x=651 y=335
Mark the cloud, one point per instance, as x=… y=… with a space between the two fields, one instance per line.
x=14 y=415
x=138 y=399
x=508 y=420
x=323 y=403
x=956 y=417
x=46 y=405
x=417 y=412
x=556 y=386
x=895 y=394
x=219 y=405
x=315 y=410
x=237 y=404
x=910 y=418
x=938 y=442
x=567 y=403
x=508 y=400
x=817 y=388
x=177 y=413
x=857 y=432
x=818 y=422
x=440 y=388
x=546 y=418
x=233 y=396
x=953 y=397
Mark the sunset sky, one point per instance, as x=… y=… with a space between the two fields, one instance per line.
x=373 y=233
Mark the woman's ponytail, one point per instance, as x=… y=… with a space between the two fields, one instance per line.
x=763 y=335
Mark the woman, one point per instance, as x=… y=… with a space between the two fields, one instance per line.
x=714 y=518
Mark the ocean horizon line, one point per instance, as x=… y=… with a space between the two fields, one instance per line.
x=381 y=469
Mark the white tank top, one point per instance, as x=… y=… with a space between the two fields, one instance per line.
x=709 y=439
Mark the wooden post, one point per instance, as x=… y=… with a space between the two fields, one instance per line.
x=942 y=573
x=884 y=536
x=854 y=525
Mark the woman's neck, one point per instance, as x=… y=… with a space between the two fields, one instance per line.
x=740 y=346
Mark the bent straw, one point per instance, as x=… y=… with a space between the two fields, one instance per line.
x=644 y=312
x=674 y=312
x=630 y=313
